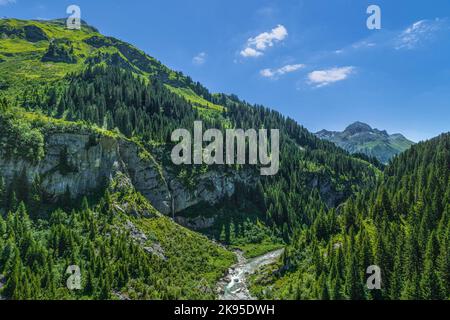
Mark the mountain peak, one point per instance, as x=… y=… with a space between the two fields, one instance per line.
x=63 y=21
x=324 y=133
x=358 y=127
x=359 y=137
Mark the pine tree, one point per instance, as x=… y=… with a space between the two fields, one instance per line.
x=13 y=276
x=395 y=283
x=443 y=270
x=353 y=285
x=429 y=283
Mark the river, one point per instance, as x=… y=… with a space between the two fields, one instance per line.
x=234 y=285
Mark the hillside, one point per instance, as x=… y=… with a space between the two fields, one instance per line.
x=128 y=248
x=402 y=226
x=39 y=52
x=361 y=138
x=79 y=112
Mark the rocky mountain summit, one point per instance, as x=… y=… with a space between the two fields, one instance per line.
x=359 y=137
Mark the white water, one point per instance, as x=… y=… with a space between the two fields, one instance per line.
x=234 y=285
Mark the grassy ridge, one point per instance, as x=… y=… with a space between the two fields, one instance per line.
x=22 y=67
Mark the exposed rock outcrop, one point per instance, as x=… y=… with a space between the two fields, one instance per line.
x=140 y=237
x=90 y=165
x=330 y=196
x=197 y=223
x=211 y=188
x=83 y=163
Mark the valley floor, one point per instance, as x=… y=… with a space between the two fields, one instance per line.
x=234 y=286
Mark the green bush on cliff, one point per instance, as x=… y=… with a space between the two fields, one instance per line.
x=19 y=139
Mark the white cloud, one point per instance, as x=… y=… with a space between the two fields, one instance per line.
x=321 y=78
x=199 y=59
x=267 y=73
x=418 y=32
x=6 y=2
x=363 y=44
x=256 y=46
x=267 y=39
x=274 y=73
x=366 y=44
x=250 y=52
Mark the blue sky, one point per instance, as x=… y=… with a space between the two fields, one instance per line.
x=313 y=60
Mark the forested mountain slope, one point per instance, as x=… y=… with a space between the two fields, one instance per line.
x=403 y=226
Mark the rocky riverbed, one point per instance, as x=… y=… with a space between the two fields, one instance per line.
x=234 y=286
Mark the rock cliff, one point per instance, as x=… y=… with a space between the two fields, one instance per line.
x=84 y=163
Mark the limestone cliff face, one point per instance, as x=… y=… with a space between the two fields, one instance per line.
x=87 y=166
x=146 y=177
x=84 y=163
x=212 y=187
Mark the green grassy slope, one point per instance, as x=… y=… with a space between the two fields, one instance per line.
x=21 y=64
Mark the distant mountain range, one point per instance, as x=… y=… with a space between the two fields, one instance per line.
x=359 y=137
